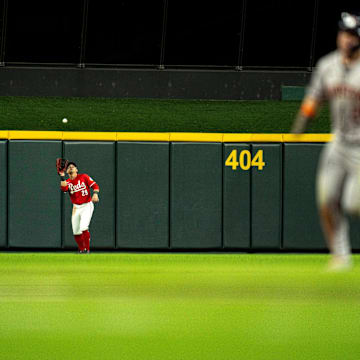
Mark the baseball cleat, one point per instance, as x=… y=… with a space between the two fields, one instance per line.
x=339 y=264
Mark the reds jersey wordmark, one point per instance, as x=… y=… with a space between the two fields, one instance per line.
x=79 y=188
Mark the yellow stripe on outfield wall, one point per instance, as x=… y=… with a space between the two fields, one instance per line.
x=165 y=136
x=196 y=137
x=253 y=138
x=142 y=136
x=34 y=135
x=95 y=136
x=4 y=134
x=307 y=137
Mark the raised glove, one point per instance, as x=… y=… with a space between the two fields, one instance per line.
x=61 y=165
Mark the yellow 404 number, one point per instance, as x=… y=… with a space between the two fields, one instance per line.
x=245 y=160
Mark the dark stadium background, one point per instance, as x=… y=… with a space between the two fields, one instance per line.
x=242 y=34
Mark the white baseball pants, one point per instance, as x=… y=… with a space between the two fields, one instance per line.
x=81 y=217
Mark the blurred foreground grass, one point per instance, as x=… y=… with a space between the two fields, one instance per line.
x=177 y=306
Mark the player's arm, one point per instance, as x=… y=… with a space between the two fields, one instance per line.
x=96 y=190
x=63 y=184
x=95 y=187
x=307 y=112
x=315 y=94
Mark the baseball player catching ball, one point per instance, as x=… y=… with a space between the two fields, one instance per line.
x=337 y=79
x=78 y=186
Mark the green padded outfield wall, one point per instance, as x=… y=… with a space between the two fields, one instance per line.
x=302 y=229
x=3 y=194
x=34 y=202
x=236 y=200
x=196 y=196
x=97 y=159
x=142 y=219
x=266 y=196
x=354 y=232
x=165 y=194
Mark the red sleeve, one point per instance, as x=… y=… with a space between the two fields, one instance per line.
x=64 y=188
x=95 y=186
x=91 y=183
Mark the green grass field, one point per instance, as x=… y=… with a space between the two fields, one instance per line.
x=177 y=306
x=138 y=115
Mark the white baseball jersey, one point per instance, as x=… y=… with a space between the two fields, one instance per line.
x=339 y=167
x=340 y=85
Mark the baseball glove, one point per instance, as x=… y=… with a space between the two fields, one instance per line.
x=61 y=165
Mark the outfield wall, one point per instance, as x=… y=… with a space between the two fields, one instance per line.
x=165 y=191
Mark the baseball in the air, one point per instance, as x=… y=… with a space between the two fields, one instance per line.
x=64 y=120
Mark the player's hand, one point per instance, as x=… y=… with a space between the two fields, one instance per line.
x=95 y=198
x=61 y=173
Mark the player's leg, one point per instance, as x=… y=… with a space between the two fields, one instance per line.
x=336 y=230
x=331 y=179
x=86 y=240
x=75 y=222
x=351 y=198
x=86 y=215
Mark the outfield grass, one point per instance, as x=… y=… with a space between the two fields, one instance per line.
x=177 y=306
x=100 y=114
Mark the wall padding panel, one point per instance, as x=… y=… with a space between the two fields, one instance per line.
x=34 y=199
x=142 y=220
x=236 y=200
x=301 y=221
x=266 y=196
x=97 y=159
x=196 y=196
x=3 y=194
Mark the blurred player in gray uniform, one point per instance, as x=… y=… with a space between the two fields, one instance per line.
x=337 y=79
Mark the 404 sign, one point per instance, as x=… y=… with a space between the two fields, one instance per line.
x=244 y=160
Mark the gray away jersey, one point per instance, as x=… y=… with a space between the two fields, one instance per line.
x=340 y=85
